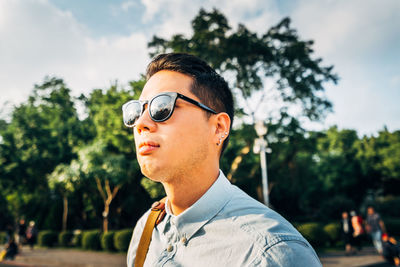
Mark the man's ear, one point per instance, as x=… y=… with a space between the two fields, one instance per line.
x=222 y=124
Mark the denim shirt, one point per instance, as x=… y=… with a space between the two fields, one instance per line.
x=225 y=227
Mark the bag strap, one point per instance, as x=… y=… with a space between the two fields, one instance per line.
x=156 y=215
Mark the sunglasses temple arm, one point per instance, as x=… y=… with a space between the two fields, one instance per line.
x=194 y=102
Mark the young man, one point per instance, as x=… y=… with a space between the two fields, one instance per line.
x=375 y=227
x=181 y=125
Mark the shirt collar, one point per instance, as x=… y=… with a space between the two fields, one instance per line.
x=202 y=211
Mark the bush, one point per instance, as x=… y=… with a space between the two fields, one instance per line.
x=65 y=238
x=332 y=231
x=314 y=233
x=3 y=237
x=47 y=238
x=77 y=238
x=392 y=226
x=91 y=240
x=107 y=241
x=122 y=239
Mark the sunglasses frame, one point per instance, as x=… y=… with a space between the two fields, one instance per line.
x=174 y=96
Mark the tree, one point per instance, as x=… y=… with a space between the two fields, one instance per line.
x=380 y=160
x=277 y=66
x=110 y=160
x=109 y=171
x=64 y=179
x=41 y=134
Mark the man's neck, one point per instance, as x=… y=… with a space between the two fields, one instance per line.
x=185 y=190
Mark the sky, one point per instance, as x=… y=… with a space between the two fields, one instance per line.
x=93 y=43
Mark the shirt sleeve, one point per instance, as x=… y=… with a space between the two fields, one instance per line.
x=291 y=253
x=137 y=233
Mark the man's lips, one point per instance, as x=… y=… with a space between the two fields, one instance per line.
x=147 y=147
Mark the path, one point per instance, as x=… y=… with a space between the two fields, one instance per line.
x=366 y=257
x=41 y=257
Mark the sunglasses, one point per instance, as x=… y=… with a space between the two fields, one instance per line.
x=160 y=107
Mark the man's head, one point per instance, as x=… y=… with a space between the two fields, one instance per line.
x=181 y=132
x=208 y=86
x=370 y=210
x=385 y=237
x=345 y=215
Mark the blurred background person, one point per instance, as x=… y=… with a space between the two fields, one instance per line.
x=347 y=232
x=11 y=249
x=21 y=237
x=391 y=250
x=31 y=234
x=358 y=229
x=375 y=227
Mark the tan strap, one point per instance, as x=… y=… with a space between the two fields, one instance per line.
x=156 y=215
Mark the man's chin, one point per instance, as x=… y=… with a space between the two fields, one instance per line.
x=152 y=172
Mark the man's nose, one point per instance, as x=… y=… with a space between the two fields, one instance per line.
x=145 y=123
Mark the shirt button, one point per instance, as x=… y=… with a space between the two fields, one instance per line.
x=169 y=248
x=184 y=240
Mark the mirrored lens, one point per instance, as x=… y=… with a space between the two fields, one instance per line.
x=131 y=112
x=161 y=107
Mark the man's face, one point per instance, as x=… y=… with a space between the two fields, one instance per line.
x=178 y=145
x=370 y=211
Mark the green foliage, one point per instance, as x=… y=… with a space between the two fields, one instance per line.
x=122 y=239
x=380 y=160
x=41 y=134
x=154 y=189
x=47 y=238
x=332 y=208
x=91 y=240
x=105 y=112
x=314 y=233
x=278 y=55
x=3 y=237
x=6 y=215
x=107 y=241
x=332 y=231
x=389 y=206
x=65 y=238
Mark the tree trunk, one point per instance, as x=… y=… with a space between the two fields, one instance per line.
x=65 y=213
x=107 y=199
x=105 y=215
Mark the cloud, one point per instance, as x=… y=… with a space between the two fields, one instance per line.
x=357 y=37
x=38 y=40
x=174 y=16
x=125 y=6
x=360 y=39
x=347 y=26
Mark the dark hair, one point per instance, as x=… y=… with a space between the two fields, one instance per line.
x=208 y=85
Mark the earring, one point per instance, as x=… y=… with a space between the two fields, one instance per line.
x=220 y=140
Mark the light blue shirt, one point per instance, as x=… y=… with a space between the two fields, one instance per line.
x=225 y=227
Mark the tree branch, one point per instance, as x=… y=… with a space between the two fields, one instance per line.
x=100 y=188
